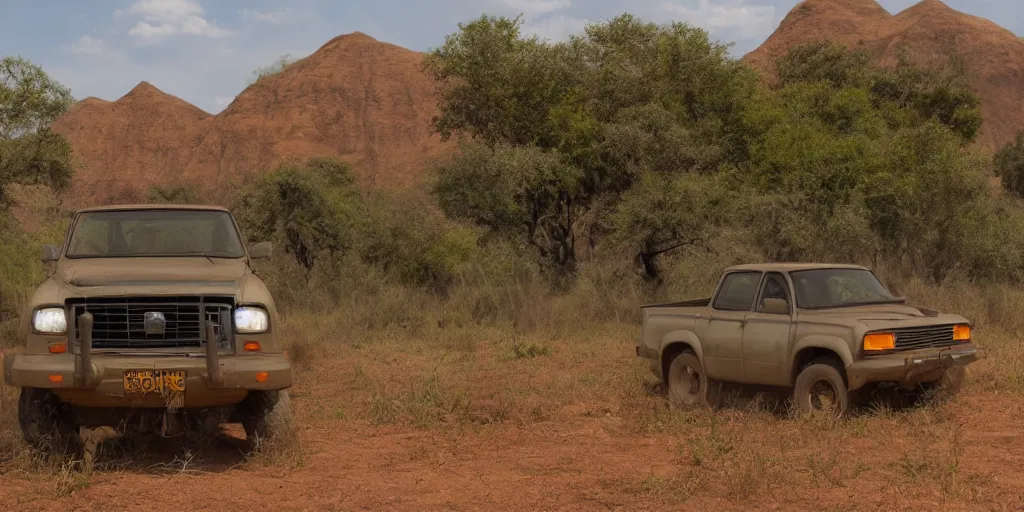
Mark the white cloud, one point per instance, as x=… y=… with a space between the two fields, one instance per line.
x=277 y=17
x=532 y=8
x=87 y=45
x=172 y=17
x=731 y=15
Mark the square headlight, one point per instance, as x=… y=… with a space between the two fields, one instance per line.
x=50 y=321
x=251 y=320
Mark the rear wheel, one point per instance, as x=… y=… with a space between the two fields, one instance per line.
x=820 y=389
x=267 y=416
x=688 y=386
x=46 y=423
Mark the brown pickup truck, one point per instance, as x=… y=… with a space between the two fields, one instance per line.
x=823 y=331
x=153 y=317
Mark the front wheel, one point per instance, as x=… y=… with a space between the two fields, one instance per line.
x=46 y=423
x=820 y=389
x=267 y=416
x=688 y=386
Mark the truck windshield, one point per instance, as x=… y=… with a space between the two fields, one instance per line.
x=149 y=233
x=836 y=288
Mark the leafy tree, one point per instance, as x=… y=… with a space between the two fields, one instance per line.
x=663 y=214
x=564 y=130
x=310 y=208
x=940 y=93
x=403 y=235
x=31 y=154
x=929 y=199
x=523 y=193
x=824 y=61
x=906 y=94
x=1009 y=165
x=498 y=86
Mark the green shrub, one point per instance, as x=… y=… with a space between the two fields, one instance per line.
x=1009 y=166
x=308 y=209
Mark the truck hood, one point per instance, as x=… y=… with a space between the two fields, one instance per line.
x=882 y=316
x=150 y=272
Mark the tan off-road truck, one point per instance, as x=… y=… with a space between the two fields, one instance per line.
x=827 y=332
x=151 y=317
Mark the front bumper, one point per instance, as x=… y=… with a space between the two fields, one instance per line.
x=99 y=380
x=909 y=368
x=105 y=385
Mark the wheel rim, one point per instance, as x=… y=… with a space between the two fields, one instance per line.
x=691 y=381
x=823 y=396
x=686 y=384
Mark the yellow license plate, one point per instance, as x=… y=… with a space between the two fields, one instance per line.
x=154 y=381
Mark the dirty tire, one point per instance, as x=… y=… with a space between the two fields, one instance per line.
x=267 y=416
x=688 y=385
x=820 y=388
x=947 y=386
x=46 y=424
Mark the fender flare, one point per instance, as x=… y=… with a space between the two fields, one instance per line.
x=832 y=343
x=684 y=337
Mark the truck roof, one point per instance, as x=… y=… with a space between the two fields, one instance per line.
x=129 y=207
x=792 y=267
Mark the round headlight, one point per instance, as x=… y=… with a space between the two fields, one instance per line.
x=251 y=320
x=50 y=321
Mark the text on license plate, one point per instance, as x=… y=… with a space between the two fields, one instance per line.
x=154 y=381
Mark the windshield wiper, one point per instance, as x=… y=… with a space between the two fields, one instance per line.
x=205 y=254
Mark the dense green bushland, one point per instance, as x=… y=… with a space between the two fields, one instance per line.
x=627 y=164
x=652 y=138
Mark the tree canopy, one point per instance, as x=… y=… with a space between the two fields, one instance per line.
x=651 y=137
x=31 y=154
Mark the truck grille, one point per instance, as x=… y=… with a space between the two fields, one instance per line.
x=914 y=338
x=120 y=322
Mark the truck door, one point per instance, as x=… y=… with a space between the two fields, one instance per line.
x=723 y=341
x=766 y=335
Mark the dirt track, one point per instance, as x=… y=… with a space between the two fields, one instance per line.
x=586 y=463
x=409 y=424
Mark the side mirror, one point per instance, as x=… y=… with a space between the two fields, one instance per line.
x=775 y=307
x=261 y=250
x=50 y=254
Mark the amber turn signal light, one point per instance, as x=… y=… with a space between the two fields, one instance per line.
x=252 y=346
x=58 y=348
x=962 y=333
x=880 y=341
x=261 y=377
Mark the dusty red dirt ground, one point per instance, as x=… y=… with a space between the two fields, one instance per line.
x=992 y=56
x=753 y=461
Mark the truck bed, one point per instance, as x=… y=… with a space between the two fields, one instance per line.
x=680 y=304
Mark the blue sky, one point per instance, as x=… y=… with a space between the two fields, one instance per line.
x=204 y=51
